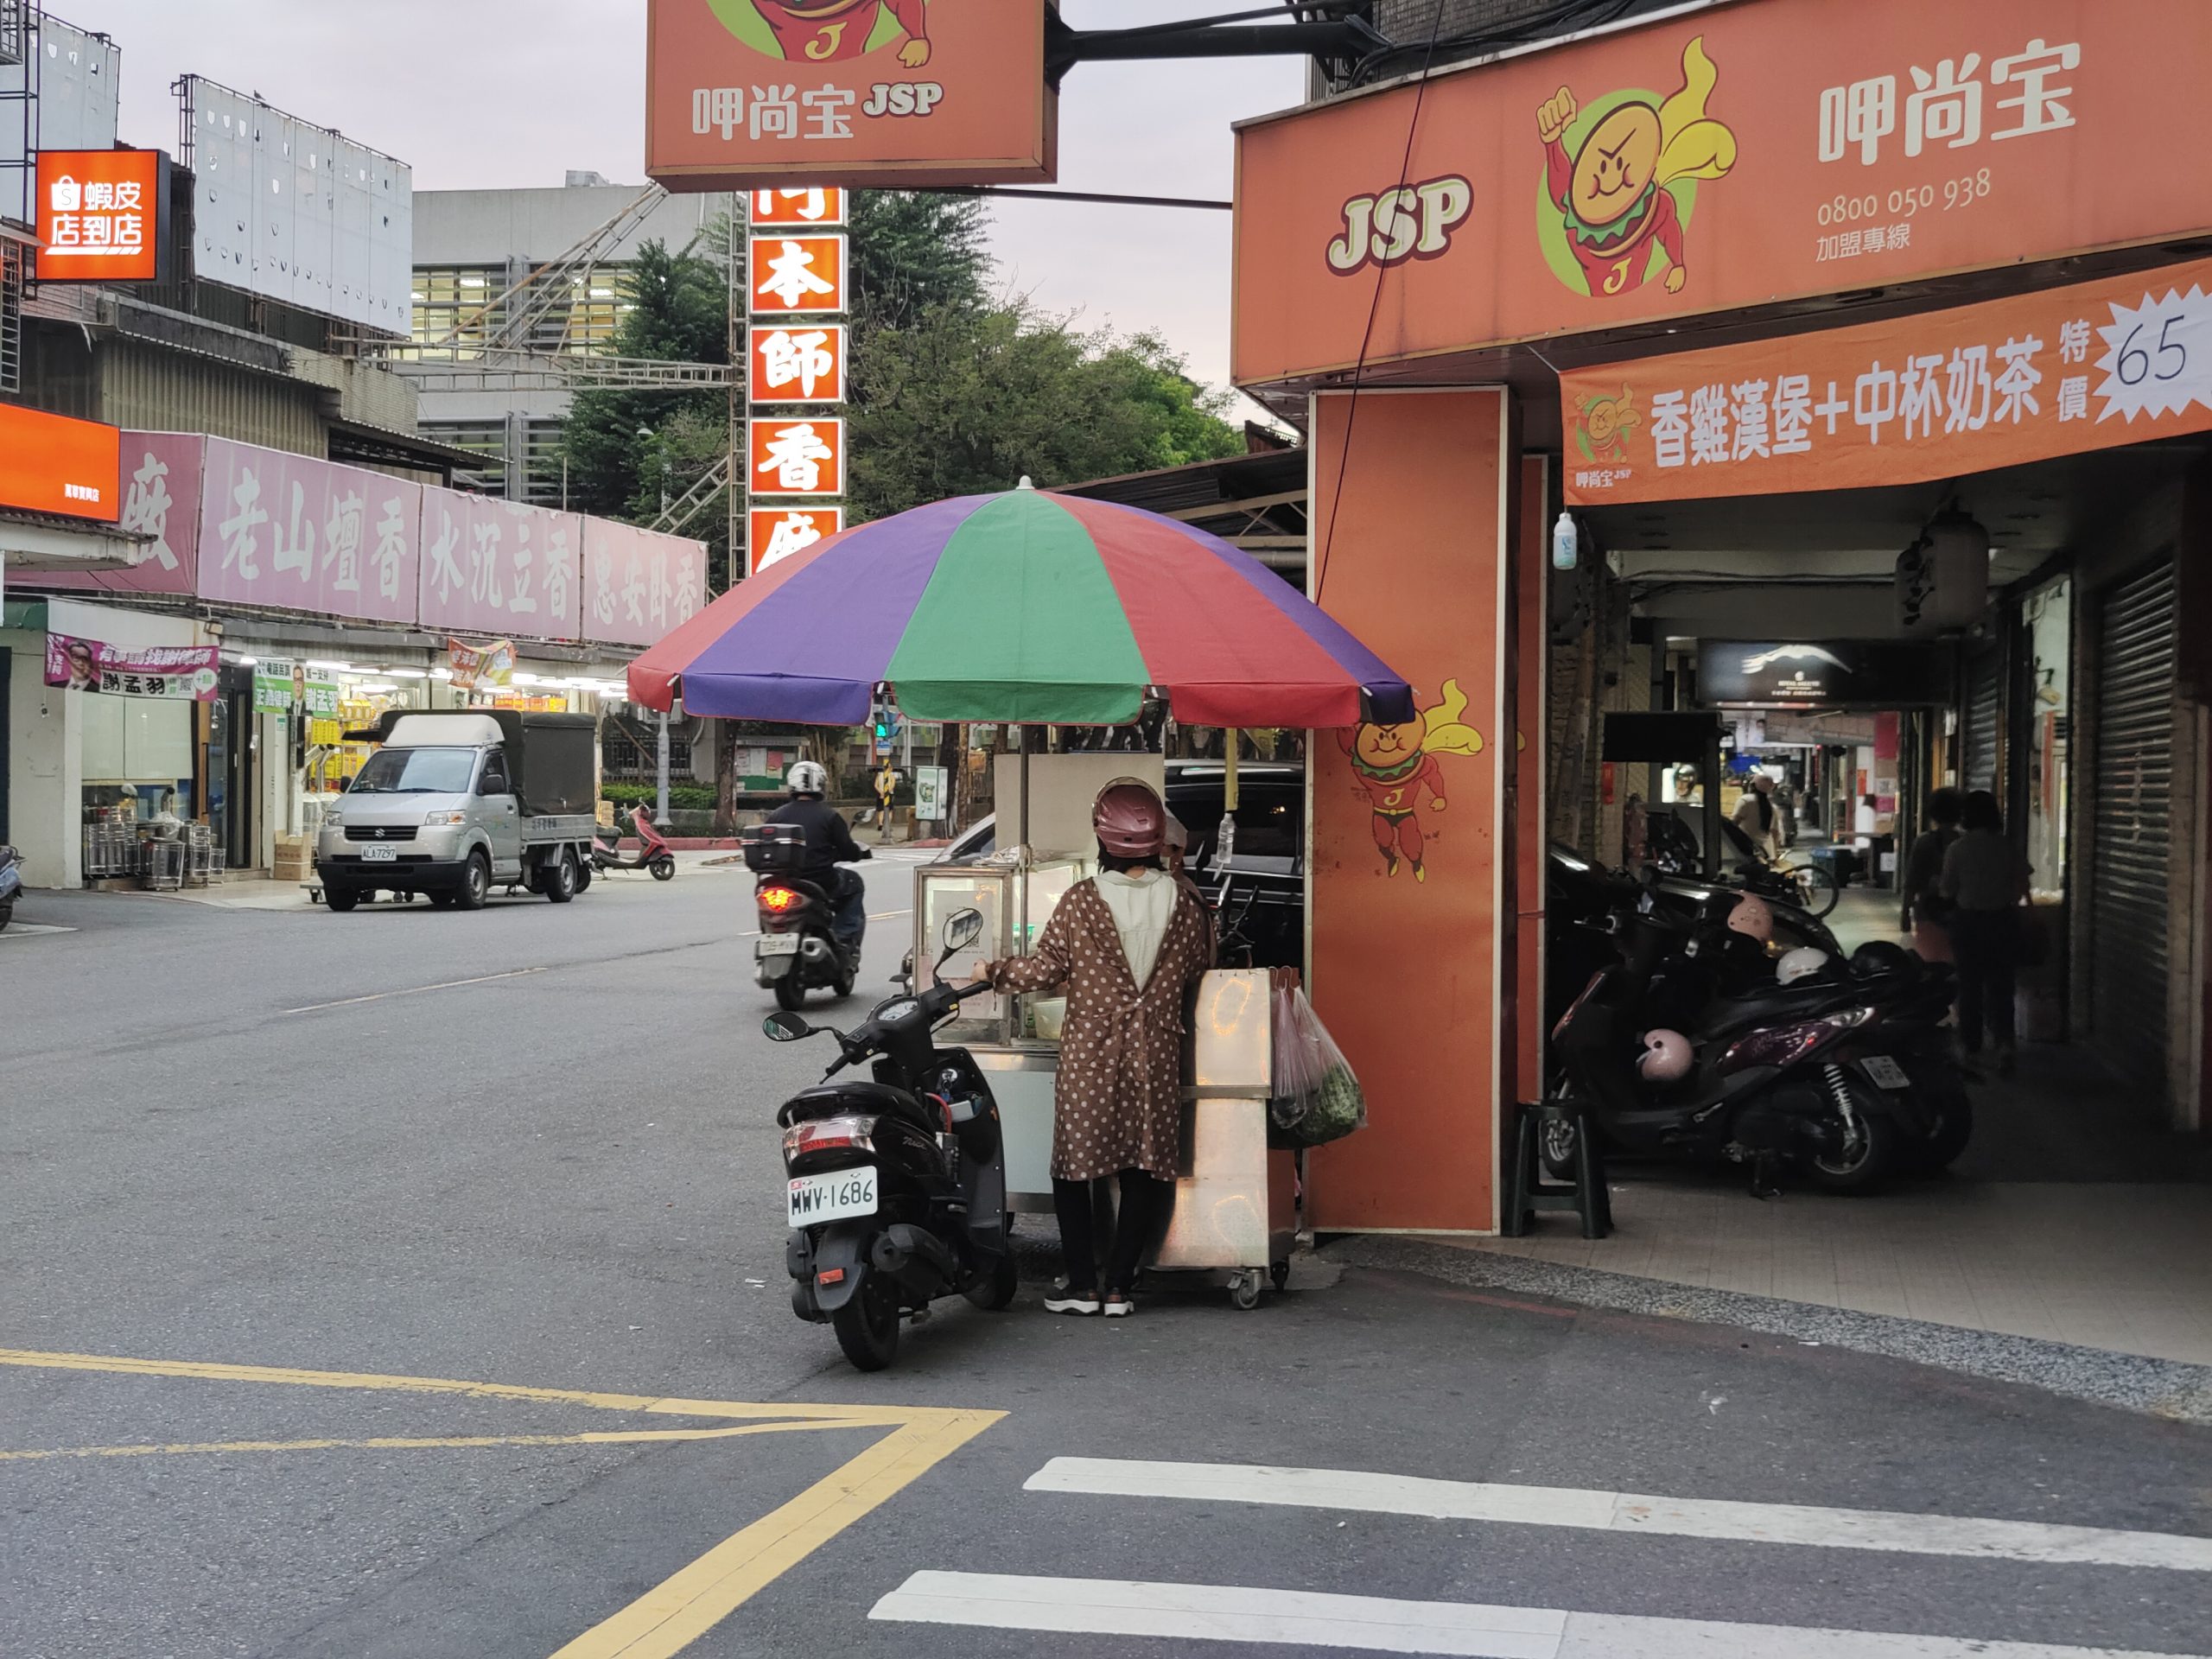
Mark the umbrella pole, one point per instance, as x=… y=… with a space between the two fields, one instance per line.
x=1023 y=910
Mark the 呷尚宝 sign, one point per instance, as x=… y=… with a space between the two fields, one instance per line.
x=744 y=93
x=1731 y=156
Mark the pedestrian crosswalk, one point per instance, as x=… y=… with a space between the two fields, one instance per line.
x=1284 y=1617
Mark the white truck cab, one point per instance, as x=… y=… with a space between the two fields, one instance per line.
x=452 y=805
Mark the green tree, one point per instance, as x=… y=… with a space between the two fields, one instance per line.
x=913 y=254
x=965 y=402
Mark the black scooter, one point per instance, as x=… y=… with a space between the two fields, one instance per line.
x=1849 y=1074
x=897 y=1191
x=798 y=949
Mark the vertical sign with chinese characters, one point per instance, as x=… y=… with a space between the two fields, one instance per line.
x=798 y=280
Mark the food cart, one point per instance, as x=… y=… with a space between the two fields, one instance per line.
x=1011 y=608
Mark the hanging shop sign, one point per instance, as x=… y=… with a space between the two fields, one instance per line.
x=796 y=275
x=818 y=204
x=279 y=686
x=791 y=457
x=482 y=668
x=1708 y=162
x=49 y=463
x=100 y=215
x=1769 y=673
x=1930 y=394
x=776 y=533
x=743 y=94
x=799 y=364
x=172 y=672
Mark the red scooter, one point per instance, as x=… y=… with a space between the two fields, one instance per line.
x=653 y=852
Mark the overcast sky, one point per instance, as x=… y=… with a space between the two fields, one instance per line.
x=487 y=96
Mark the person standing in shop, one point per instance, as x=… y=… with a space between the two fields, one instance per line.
x=1127 y=945
x=1985 y=882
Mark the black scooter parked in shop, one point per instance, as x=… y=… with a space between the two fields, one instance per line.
x=897 y=1191
x=1848 y=1075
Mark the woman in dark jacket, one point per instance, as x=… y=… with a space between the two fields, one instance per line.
x=1983 y=881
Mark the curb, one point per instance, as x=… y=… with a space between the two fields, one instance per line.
x=2169 y=1389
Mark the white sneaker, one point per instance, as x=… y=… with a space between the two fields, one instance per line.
x=1119 y=1309
x=1067 y=1302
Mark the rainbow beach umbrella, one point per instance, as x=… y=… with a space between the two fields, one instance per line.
x=1021 y=606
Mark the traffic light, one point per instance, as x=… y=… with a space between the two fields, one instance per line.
x=883 y=724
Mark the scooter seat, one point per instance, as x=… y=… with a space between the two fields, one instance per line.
x=881 y=1098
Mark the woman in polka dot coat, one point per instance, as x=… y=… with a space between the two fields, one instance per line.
x=1126 y=946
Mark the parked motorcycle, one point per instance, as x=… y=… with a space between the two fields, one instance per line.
x=1687 y=1046
x=11 y=882
x=653 y=852
x=897 y=1193
x=798 y=949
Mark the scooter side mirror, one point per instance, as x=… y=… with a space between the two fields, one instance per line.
x=783 y=1026
x=962 y=929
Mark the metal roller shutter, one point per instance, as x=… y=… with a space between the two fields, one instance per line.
x=1985 y=720
x=2131 y=899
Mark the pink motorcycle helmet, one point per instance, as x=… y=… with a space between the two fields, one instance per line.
x=1666 y=1058
x=1752 y=918
x=1129 y=820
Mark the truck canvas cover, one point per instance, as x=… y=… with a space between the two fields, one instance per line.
x=554 y=761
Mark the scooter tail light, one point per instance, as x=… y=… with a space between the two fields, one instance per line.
x=1787 y=1045
x=829 y=1134
x=779 y=900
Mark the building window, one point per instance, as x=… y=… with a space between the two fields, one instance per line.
x=485 y=438
x=454 y=317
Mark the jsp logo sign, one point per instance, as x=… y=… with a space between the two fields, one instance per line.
x=1411 y=222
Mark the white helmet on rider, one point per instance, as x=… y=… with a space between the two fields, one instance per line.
x=1802 y=963
x=1666 y=1058
x=807 y=777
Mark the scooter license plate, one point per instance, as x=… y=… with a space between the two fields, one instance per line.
x=375 y=855
x=778 y=944
x=833 y=1196
x=1886 y=1072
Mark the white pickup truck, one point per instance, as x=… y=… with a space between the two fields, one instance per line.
x=454 y=804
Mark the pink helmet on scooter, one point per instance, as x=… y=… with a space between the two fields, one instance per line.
x=1667 y=1057
x=1752 y=918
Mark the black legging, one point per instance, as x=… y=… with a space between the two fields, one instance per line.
x=1145 y=1201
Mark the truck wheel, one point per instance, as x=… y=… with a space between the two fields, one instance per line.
x=584 y=873
x=559 y=881
x=341 y=899
x=475 y=883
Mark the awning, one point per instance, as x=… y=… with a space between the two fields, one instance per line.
x=36 y=542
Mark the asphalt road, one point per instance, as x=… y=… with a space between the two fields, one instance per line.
x=269 y=1202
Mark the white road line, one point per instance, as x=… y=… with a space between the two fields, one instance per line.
x=31 y=931
x=1285 y=1617
x=413 y=990
x=1631 y=1512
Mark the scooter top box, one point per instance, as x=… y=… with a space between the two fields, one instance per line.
x=775 y=849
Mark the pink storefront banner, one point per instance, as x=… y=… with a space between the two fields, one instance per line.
x=499 y=568
x=639 y=585
x=161 y=498
x=297 y=534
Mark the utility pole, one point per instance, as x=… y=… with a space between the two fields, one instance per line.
x=739 y=535
x=660 y=809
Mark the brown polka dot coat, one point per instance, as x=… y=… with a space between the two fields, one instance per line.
x=1118 y=1102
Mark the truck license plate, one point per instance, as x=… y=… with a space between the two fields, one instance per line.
x=1886 y=1072
x=778 y=944
x=818 y=1199
x=375 y=855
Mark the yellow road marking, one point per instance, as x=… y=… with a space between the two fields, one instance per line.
x=395 y=1443
x=685 y=1606
x=679 y=1611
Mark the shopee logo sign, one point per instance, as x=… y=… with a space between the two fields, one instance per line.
x=98 y=213
x=52 y=464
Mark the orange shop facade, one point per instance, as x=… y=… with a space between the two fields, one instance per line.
x=1756 y=292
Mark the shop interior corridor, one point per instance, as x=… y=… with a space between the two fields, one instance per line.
x=2074 y=1216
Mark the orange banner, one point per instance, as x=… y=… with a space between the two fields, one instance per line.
x=799 y=364
x=801 y=205
x=797 y=457
x=99 y=215
x=1734 y=156
x=796 y=274
x=895 y=92
x=1411 y=895
x=1927 y=396
x=50 y=463
x=773 y=534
